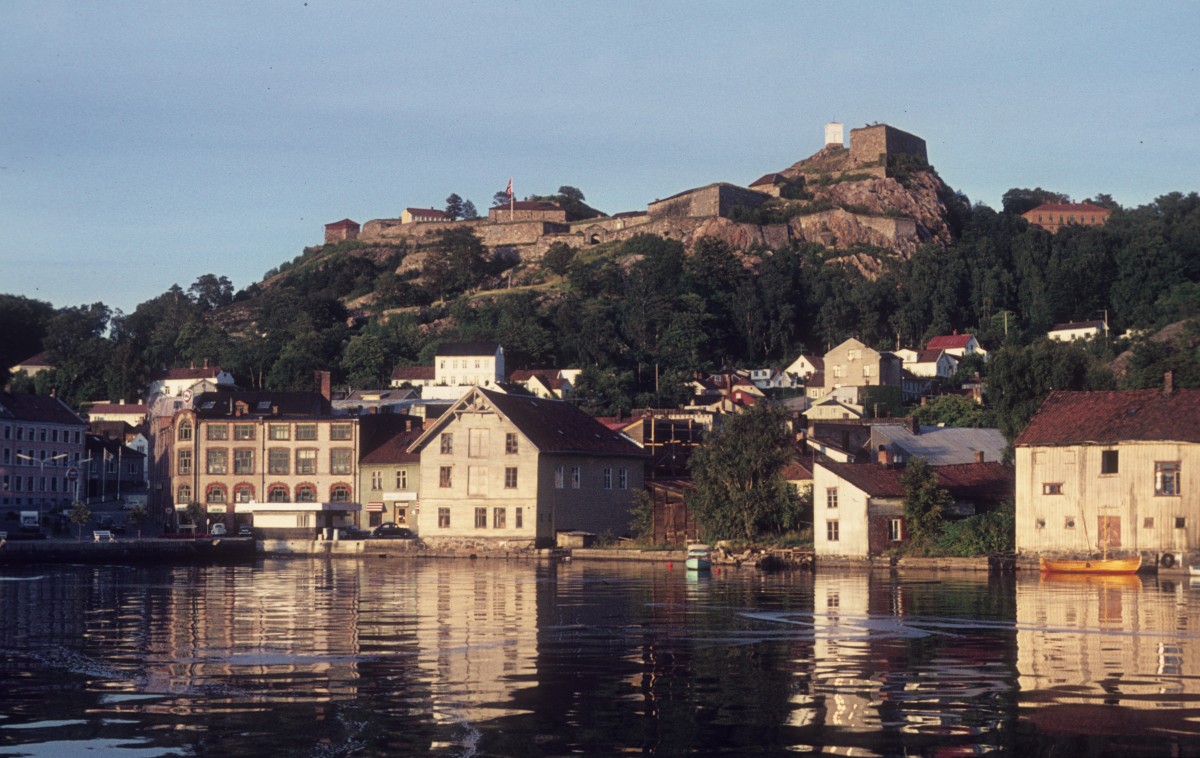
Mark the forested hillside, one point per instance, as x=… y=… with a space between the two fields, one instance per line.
x=641 y=316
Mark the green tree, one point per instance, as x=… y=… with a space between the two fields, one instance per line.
x=365 y=361
x=139 y=516
x=925 y=504
x=195 y=515
x=740 y=490
x=558 y=257
x=1020 y=378
x=953 y=410
x=456 y=262
x=80 y=515
x=454 y=207
x=211 y=292
x=1017 y=200
x=468 y=210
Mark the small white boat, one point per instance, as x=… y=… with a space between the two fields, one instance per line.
x=1194 y=571
x=698 y=558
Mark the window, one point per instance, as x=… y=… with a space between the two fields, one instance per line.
x=184 y=432
x=183 y=464
x=831 y=497
x=306 y=461
x=499 y=518
x=477 y=481
x=447 y=443
x=1166 y=478
x=278 y=493
x=574 y=477
x=306 y=431
x=243 y=493
x=866 y=371
x=339 y=493
x=831 y=531
x=443 y=518
x=340 y=431
x=217 y=431
x=243 y=431
x=279 y=432
x=894 y=530
x=304 y=520
x=623 y=478
x=852 y=354
x=217 y=461
x=444 y=476
x=1148 y=522
x=558 y=477
x=1180 y=522
x=608 y=479
x=243 y=461
x=1109 y=461
x=339 y=460
x=215 y=494
x=402 y=479
x=376 y=480
x=510 y=478
x=279 y=461
x=1069 y=522
x=477 y=443
x=510 y=443
x=1052 y=488
x=1039 y=523
x=481 y=518
x=519 y=521
x=184 y=494
x=306 y=493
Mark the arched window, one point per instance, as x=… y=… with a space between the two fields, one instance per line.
x=185 y=430
x=278 y=493
x=215 y=493
x=184 y=495
x=339 y=493
x=243 y=493
x=306 y=493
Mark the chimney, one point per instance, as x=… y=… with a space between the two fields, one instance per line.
x=913 y=425
x=1168 y=382
x=323 y=381
x=979 y=456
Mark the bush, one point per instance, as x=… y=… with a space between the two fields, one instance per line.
x=979 y=535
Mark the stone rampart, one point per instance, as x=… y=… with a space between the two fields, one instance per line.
x=874 y=144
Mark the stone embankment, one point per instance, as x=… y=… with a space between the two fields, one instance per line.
x=161 y=551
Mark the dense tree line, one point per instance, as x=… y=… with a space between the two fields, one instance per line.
x=643 y=315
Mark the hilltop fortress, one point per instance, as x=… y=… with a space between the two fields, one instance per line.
x=840 y=197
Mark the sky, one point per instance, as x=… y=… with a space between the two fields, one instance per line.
x=146 y=144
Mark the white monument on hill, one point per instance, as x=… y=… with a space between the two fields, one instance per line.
x=834 y=134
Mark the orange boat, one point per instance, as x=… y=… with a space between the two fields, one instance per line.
x=1098 y=566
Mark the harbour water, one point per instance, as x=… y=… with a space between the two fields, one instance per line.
x=494 y=658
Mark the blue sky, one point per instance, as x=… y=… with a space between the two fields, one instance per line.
x=145 y=144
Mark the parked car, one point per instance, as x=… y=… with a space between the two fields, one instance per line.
x=107 y=524
x=218 y=530
x=352 y=532
x=245 y=530
x=393 y=532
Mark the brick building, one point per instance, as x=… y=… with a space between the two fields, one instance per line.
x=1055 y=216
x=41 y=439
x=340 y=231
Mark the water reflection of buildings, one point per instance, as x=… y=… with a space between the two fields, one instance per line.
x=1087 y=644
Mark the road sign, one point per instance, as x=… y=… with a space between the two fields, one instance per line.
x=72 y=474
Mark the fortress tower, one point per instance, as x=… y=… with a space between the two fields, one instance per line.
x=834 y=134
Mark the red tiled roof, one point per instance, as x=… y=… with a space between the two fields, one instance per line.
x=402 y=373
x=343 y=224
x=1105 y=418
x=817 y=379
x=969 y=481
x=118 y=408
x=949 y=341
x=871 y=478
x=426 y=212
x=41 y=359
x=205 y=372
x=929 y=356
x=1067 y=208
x=768 y=179
x=386 y=437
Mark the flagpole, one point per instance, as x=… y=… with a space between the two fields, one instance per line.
x=511 y=201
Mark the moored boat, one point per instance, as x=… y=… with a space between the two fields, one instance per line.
x=698 y=558
x=1097 y=566
x=1194 y=571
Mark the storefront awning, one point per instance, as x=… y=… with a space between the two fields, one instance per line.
x=374 y=507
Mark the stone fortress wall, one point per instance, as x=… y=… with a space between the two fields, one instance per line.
x=687 y=215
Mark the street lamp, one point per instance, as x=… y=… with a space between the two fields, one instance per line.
x=42 y=462
x=87 y=460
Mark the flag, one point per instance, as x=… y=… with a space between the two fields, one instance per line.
x=508 y=189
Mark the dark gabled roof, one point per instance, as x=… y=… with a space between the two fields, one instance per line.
x=556 y=426
x=261 y=404
x=385 y=438
x=343 y=224
x=930 y=356
x=97 y=445
x=37 y=408
x=965 y=481
x=404 y=373
x=1067 y=208
x=459 y=349
x=949 y=341
x=552 y=426
x=41 y=359
x=1106 y=418
x=1080 y=325
x=206 y=372
x=118 y=408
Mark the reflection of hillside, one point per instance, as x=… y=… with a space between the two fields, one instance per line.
x=1086 y=644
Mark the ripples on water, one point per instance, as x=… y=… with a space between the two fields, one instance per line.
x=489 y=658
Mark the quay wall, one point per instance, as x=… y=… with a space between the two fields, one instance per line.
x=168 y=551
